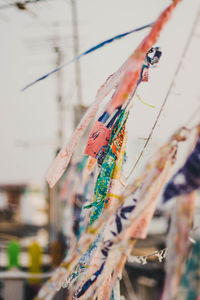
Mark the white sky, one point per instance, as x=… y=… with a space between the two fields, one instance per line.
x=26 y=53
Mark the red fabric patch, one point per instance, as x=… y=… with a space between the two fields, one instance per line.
x=145 y=75
x=99 y=137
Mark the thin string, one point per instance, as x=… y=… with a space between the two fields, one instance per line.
x=17 y=4
x=141 y=100
x=168 y=93
x=117 y=37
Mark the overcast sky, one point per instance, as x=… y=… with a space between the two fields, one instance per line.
x=27 y=52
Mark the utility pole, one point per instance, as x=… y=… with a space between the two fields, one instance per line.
x=54 y=203
x=76 y=52
x=60 y=117
x=79 y=109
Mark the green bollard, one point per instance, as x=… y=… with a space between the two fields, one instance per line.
x=13 y=252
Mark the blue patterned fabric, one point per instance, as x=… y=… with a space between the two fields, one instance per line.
x=187 y=179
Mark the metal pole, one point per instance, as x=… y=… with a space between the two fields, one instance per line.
x=54 y=204
x=76 y=52
x=60 y=118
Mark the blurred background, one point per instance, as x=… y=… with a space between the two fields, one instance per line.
x=37 y=36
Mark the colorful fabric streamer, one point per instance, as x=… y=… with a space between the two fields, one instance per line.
x=125 y=79
x=98 y=139
x=178 y=244
x=82 y=264
x=187 y=179
x=101 y=132
x=104 y=177
x=132 y=74
x=115 y=186
x=98 y=46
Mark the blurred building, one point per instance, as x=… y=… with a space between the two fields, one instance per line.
x=10 y=202
x=23 y=210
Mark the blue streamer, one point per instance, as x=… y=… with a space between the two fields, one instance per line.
x=187 y=179
x=98 y=46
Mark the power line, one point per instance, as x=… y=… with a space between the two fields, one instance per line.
x=20 y=5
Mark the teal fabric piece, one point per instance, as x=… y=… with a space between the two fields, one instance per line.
x=112 y=296
x=101 y=187
x=190 y=282
x=82 y=163
x=108 y=165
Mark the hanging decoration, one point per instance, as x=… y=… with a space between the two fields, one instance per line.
x=108 y=164
x=178 y=244
x=101 y=132
x=130 y=221
x=113 y=215
x=124 y=81
x=187 y=179
x=90 y=50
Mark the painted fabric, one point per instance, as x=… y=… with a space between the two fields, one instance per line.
x=104 y=177
x=115 y=186
x=91 y=164
x=187 y=179
x=116 y=175
x=102 y=269
x=101 y=133
x=131 y=76
x=82 y=264
x=178 y=244
x=99 y=137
